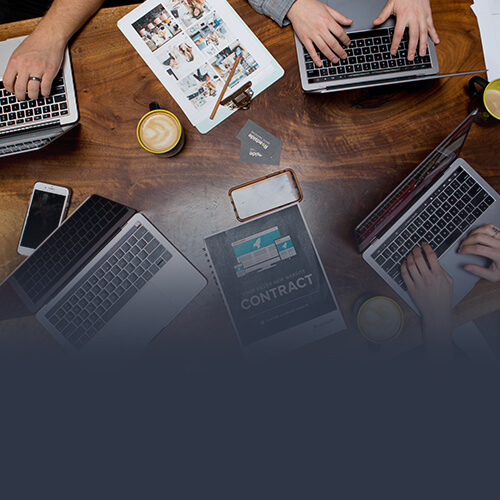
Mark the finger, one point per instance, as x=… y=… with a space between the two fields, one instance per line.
x=330 y=48
x=336 y=29
x=311 y=50
x=9 y=78
x=431 y=257
x=413 y=269
x=396 y=37
x=340 y=18
x=432 y=31
x=46 y=83
x=481 y=239
x=20 y=87
x=481 y=250
x=414 y=39
x=489 y=229
x=482 y=272
x=407 y=277
x=423 y=40
x=33 y=89
x=420 y=261
x=384 y=15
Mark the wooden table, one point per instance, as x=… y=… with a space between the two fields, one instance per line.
x=349 y=150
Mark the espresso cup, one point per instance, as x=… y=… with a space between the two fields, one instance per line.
x=486 y=100
x=160 y=132
x=379 y=319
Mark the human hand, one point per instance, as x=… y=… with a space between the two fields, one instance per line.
x=429 y=285
x=415 y=15
x=318 y=25
x=484 y=241
x=37 y=56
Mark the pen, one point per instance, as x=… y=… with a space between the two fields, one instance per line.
x=228 y=80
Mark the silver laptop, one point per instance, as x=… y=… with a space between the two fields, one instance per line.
x=32 y=124
x=105 y=283
x=369 y=62
x=440 y=202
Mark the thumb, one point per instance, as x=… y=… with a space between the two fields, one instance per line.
x=384 y=15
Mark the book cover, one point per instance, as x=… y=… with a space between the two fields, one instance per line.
x=273 y=283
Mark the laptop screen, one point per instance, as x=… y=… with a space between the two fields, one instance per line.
x=412 y=188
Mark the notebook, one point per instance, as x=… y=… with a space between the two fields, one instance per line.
x=440 y=202
x=105 y=283
x=32 y=124
x=369 y=61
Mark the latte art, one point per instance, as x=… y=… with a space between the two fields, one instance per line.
x=492 y=101
x=380 y=319
x=159 y=132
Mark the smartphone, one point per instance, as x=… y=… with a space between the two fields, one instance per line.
x=266 y=194
x=47 y=209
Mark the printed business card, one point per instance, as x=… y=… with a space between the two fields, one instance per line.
x=252 y=155
x=254 y=136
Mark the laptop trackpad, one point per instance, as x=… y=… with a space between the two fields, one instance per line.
x=133 y=328
x=362 y=12
x=463 y=281
x=7 y=48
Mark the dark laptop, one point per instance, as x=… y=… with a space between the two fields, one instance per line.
x=440 y=202
x=105 y=283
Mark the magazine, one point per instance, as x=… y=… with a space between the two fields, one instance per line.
x=191 y=46
x=274 y=284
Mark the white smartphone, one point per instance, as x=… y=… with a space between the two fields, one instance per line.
x=266 y=194
x=47 y=209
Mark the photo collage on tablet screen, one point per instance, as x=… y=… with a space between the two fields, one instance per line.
x=195 y=47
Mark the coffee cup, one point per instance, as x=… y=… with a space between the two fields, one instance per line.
x=160 y=132
x=486 y=100
x=379 y=319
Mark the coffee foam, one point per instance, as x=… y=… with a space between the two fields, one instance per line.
x=380 y=319
x=492 y=101
x=159 y=131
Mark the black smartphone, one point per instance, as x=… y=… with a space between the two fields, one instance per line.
x=46 y=211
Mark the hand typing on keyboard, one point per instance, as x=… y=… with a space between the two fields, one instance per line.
x=415 y=15
x=484 y=241
x=318 y=25
x=431 y=289
x=35 y=63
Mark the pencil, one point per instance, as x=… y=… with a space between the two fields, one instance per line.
x=228 y=80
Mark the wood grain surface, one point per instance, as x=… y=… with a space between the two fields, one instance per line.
x=348 y=149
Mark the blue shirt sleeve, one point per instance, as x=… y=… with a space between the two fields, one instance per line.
x=275 y=9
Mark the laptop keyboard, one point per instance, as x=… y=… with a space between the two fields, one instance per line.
x=66 y=246
x=440 y=221
x=368 y=54
x=108 y=286
x=14 y=113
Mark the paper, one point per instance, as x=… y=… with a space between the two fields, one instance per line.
x=273 y=283
x=258 y=145
x=191 y=46
x=488 y=18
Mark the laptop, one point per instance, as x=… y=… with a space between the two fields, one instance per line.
x=440 y=202
x=105 y=283
x=33 y=124
x=369 y=62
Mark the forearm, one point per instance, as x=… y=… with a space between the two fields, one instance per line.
x=275 y=9
x=65 y=18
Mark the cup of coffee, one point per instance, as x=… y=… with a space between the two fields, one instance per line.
x=379 y=319
x=160 y=132
x=486 y=100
